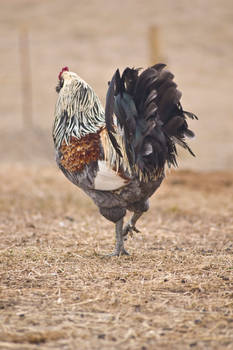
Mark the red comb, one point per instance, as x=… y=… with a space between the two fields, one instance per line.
x=63 y=70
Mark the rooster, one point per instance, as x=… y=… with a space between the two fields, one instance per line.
x=118 y=156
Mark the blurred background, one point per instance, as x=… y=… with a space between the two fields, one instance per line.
x=93 y=38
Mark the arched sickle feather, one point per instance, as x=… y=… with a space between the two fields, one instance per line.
x=158 y=66
x=190 y=115
x=109 y=108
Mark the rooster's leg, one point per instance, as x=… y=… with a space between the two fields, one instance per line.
x=119 y=249
x=130 y=226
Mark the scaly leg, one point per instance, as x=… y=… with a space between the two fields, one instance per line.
x=130 y=226
x=119 y=249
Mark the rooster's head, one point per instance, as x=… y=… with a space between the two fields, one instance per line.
x=66 y=77
x=61 y=79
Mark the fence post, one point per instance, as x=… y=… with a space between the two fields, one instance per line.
x=154 y=45
x=26 y=81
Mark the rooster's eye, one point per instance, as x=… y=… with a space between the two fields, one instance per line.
x=60 y=85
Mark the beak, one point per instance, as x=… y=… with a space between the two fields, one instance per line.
x=59 y=85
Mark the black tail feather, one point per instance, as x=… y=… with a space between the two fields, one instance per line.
x=190 y=115
x=109 y=109
x=148 y=110
x=159 y=66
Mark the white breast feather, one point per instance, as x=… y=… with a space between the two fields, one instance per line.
x=107 y=179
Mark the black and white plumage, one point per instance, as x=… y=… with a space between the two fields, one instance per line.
x=118 y=157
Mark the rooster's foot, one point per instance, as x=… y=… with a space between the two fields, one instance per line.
x=119 y=248
x=118 y=253
x=129 y=229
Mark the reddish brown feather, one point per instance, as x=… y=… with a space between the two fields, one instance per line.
x=80 y=152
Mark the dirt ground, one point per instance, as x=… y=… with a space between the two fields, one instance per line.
x=57 y=291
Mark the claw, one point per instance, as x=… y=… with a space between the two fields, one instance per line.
x=129 y=229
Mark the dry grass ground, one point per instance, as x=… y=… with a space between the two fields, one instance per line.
x=57 y=292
